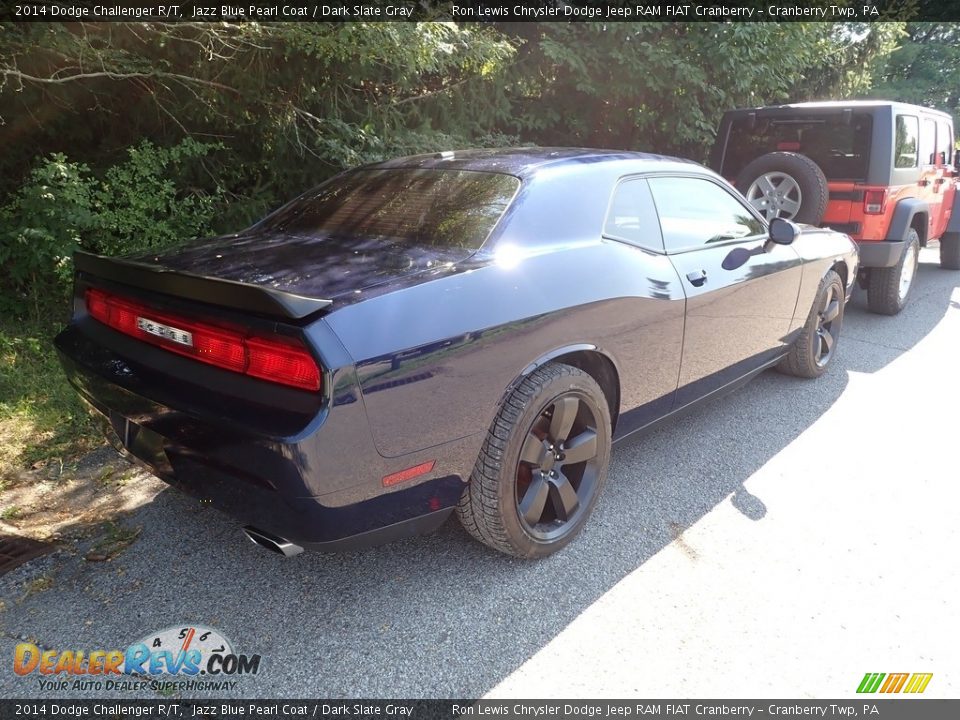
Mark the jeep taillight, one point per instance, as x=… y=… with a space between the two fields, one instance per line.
x=874 y=202
x=275 y=359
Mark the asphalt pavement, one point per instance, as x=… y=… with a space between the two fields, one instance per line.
x=779 y=542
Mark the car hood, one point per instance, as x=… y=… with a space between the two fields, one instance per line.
x=316 y=267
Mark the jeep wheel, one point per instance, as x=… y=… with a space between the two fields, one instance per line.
x=542 y=465
x=817 y=344
x=786 y=185
x=889 y=287
x=950 y=251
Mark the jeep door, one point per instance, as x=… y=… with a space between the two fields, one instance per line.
x=943 y=184
x=931 y=174
x=741 y=290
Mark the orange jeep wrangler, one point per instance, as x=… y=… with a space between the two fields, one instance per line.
x=883 y=172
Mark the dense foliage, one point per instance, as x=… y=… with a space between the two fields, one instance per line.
x=128 y=135
x=137 y=204
x=924 y=69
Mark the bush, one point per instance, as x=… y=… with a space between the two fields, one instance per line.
x=144 y=203
x=41 y=226
x=148 y=202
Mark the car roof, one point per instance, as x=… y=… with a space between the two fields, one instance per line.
x=840 y=104
x=527 y=161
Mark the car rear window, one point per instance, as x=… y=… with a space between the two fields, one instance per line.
x=841 y=150
x=433 y=208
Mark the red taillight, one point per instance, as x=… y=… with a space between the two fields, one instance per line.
x=278 y=360
x=97 y=306
x=874 y=202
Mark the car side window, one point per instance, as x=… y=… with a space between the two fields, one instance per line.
x=944 y=143
x=905 y=147
x=695 y=212
x=928 y=137
x=633 y=217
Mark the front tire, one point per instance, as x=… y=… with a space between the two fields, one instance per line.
x=889 y=288
x=950 y=251
x=813 y=351
x=542 y=466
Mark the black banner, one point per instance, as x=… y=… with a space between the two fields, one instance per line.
x=483 y=11
x=861 y=707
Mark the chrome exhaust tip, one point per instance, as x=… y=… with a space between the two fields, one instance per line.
x=272 y=542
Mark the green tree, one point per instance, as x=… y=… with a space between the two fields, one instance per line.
x=663 y=86
x=293 y=102
x=238 y=117
x=924 y=69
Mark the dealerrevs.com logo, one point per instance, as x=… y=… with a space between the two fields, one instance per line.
x=183 y=657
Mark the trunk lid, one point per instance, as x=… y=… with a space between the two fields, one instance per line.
x=320 y=267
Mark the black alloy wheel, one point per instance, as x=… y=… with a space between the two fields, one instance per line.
x=816 y=345
x=827 y=315
x=558 y=467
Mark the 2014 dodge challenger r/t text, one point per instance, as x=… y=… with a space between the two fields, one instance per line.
x=462 y=332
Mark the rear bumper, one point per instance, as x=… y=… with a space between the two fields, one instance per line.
x=880 y=254
x=319 y=488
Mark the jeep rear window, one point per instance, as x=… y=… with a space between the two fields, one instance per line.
x=433 y=208
x=841 y=150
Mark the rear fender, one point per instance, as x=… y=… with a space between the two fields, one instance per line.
x=545 y=358
x=953 y=226
x=552 y=355
x=903 y=216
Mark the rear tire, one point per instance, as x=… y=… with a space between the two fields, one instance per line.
x=813 y=351
x=890 y=287
x=542 y=466
x=950 y=251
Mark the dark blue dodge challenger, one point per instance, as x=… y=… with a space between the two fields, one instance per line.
x=462 y=332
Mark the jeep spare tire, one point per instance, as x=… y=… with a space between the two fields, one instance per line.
x=786 y=185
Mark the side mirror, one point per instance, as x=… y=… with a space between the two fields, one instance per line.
x=783 y=232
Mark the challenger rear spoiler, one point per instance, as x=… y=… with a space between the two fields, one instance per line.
x=226 y=293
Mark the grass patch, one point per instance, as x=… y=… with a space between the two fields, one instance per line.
x=116 y=539
x=39 y=585
x=113 y=477
x=41 y=417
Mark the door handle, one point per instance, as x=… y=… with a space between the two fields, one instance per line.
x=697 y=278
x=923 y=183
x=939 y=181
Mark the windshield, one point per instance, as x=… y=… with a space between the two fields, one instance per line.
x=453 y=209
x=841 y=150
